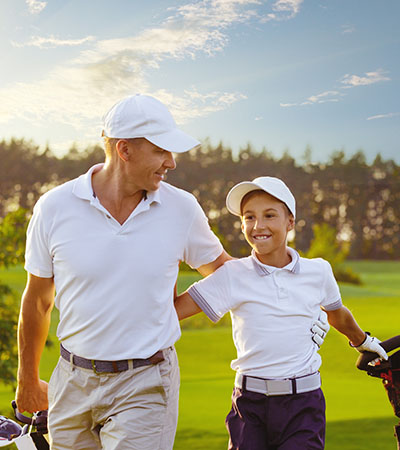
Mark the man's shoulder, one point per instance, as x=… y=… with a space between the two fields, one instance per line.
x=56 y=194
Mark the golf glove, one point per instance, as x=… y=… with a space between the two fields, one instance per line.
x=320 y=328
x=371 y=344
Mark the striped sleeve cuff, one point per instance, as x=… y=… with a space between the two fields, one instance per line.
x=332 y=306
x=202 y=303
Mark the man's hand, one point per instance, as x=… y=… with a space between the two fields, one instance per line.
x=33 y=397
x=320 y=329
x=371 y=344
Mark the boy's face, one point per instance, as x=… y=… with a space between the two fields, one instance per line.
x=265 y=223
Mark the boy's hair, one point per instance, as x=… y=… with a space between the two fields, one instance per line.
x=251 y=194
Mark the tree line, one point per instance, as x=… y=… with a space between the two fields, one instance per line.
x=360 y=200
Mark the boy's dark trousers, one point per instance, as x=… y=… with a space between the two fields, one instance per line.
x=283 y=422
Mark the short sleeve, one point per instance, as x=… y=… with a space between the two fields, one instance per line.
x=212 y=294
x=331 y=298
x=202 y=246
x=38 y=260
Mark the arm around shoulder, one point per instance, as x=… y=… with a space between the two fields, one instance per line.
x=211 y=267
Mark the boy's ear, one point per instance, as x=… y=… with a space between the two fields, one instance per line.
x=241 y=224
x=290 y=223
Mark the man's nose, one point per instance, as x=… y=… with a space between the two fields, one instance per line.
x=170 y=161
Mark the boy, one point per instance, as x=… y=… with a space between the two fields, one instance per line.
x=273 y=297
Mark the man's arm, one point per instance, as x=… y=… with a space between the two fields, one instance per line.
x=33 y=327
x=342 y=319
x=211 y=267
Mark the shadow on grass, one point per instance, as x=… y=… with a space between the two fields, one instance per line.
x=360 y=434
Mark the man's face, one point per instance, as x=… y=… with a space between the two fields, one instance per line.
x=265 y=224
x=148 y=164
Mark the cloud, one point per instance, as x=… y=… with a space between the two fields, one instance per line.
x=323 y=97
x=80 y=90
x=52 y=42
x=384 y=116
x=347 y=29
x=36 y=6
x=284 y=10
x=369 y=78
x=347 y=81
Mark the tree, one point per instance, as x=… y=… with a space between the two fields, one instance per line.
x=12 y=245
x=325 y=245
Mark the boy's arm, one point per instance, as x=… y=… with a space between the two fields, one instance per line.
x=342 y=319
x=185 y=306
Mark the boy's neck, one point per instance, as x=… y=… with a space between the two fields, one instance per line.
x=275 y=260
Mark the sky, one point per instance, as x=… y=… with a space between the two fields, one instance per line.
x=281 y=74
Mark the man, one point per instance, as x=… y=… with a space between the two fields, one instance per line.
x=109 y=244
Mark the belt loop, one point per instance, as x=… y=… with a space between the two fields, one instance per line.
x=294 y=386
x=244 y=382
x=71 y=361
x=130 y=364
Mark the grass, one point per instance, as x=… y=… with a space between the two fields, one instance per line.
x=359 y=415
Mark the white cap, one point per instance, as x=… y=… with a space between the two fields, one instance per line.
x=271 y=185
x=142 y=116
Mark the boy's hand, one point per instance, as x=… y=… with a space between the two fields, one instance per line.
x=371 y=344
x=320 y=329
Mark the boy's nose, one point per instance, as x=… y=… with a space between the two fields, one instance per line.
x=260 y=224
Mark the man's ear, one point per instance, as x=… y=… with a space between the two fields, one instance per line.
x=123 y=149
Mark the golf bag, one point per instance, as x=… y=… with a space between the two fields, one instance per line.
x=389 y=372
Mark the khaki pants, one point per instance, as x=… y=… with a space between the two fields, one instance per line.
x=136 y=409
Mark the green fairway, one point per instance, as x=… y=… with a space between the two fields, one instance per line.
x=358 y=412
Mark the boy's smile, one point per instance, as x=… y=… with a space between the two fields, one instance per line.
x=265 y=224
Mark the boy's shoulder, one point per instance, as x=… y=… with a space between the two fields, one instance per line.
x=314 y=264
x=236 y=265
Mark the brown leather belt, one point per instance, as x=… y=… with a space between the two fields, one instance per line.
x=99 y=366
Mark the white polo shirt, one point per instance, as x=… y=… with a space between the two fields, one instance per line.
x=114 y=283
x=272 y=312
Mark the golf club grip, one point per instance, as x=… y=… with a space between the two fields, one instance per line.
x=28 y=420
x=366 y=357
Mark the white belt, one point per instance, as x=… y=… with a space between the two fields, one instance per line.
x=279 y=387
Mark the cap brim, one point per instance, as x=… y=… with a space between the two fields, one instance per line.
x=174 y=141
x=236 y=194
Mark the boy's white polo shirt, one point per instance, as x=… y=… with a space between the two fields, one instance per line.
x=115 y=283
x=272 y=312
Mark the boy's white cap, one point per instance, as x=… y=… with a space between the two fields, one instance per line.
x=271 y=185
x=142 y=116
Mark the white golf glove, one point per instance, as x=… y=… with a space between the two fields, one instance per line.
x=371 y=344
x=320 y=328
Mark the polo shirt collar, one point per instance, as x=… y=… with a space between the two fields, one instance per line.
x=83 y=187
x=264 y=269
